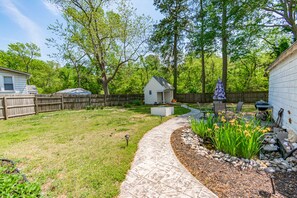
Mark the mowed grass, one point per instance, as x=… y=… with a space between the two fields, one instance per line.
x=247 y=107
x=77 y=153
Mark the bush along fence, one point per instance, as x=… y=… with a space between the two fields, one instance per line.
x=22 y=105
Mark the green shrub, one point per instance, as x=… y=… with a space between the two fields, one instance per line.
x=90 y=107
x=127 y=105
x=237 y=137
x=13 y=185
x=203 y=128
x=136 y=102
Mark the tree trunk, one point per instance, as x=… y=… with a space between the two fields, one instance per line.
x=294 y=30
x=202 y=52
x=78 y=80
x=224 y=44
x=175 y=62
x=78 y=75
x=105 y=87
x=27 y=70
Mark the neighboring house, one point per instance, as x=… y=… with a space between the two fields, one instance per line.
x=158 y=91
x=13 y=81
x=283 y=87
x=75 y=91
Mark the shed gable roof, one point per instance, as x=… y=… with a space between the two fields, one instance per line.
x=283 y=56
x=163 y=82
x=14 y=71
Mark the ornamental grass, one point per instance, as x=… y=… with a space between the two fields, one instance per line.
x=237 y=137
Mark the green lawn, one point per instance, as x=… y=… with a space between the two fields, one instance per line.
x=247 y=107
x=77 y=153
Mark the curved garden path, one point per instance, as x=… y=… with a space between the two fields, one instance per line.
x=156 y=172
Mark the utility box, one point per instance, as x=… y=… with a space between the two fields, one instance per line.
x=162 y=111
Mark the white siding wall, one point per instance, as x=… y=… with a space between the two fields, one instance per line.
x=155 y=87
x=283 y=91
x=19 y=83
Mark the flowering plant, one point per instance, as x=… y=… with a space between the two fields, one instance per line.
x=237 y=137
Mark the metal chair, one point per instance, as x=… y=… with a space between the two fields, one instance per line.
x=239 y=107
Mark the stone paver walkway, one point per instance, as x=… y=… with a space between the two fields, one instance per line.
x=156 y=172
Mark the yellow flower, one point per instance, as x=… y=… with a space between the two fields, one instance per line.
x=268 y=129
x=264 y=130
x=223 y=119
x=258 y=128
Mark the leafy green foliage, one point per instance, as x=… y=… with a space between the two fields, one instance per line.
x=13 y=185
x=169 y=34
x=236 y=137
x=115 y=63
x=109 y=39
x=203 y=128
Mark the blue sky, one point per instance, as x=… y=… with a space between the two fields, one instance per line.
x=27 y=21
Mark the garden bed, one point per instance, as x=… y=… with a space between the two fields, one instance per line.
x=226 y=180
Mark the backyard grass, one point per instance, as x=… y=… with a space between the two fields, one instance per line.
x=247 y=107
x=77 y=153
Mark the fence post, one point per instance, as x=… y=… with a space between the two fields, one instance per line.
x=36 y=104
x=62 y=102
x=5 y=108
x=90 y=100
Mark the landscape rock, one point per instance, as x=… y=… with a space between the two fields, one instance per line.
x=270 y=147
x=269 y=170
x=292 y=136
x=269 y=162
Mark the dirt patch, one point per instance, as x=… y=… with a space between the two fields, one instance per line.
x=225 y=180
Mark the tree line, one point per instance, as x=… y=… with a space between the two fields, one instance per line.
x=108 y=48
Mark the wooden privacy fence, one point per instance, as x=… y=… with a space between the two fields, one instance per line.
x=247 y=97
x=22 y=105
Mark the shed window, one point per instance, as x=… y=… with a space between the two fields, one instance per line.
x=150 y=92
x=8 y=83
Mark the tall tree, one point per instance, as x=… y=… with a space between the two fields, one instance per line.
x=170 y=32
x=26 y=53
x=201 y=35
x=67 y=50
x=282 y=13
x=231 y=15
x=109 y=39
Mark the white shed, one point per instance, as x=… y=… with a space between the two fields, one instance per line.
x=283 y=87
x=13 y=81
x=158 y=90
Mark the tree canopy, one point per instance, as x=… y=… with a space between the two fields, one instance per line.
x=107 y=48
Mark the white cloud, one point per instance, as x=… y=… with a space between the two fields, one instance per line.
x=54 y=9
x=30 y=27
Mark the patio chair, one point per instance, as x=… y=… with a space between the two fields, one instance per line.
x=237 y=109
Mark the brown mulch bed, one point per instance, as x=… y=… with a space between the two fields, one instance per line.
x=225 y=180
